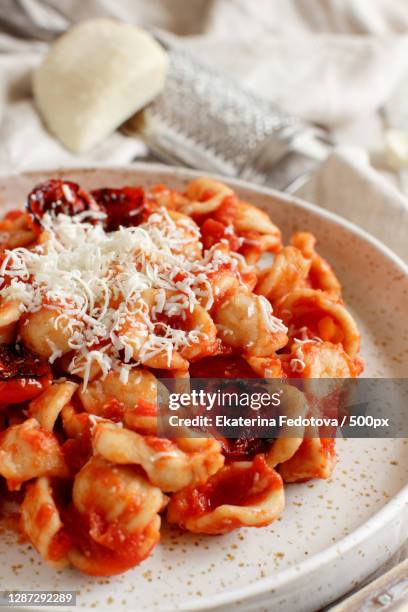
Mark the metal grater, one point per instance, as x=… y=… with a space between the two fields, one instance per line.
x=205 y=120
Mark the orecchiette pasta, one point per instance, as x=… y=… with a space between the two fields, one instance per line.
x=260 y=337
x=290 y=439
x=165 y=463
x=46 y=332
x=252 y=228
x=242 y=493
x=111 y=298
x=321 y=275
x=42 y=523
x=204 y=196
x=288 y=271
x=28 y=451
x=321 y=360
x=10 y=313
x=323 y=315
x=315 y=458
x=118 y=511
x=16 y=230
x=47 y=406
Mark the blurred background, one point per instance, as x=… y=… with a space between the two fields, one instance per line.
x=340 y=64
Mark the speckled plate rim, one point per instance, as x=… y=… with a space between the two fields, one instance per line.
x=392 y=508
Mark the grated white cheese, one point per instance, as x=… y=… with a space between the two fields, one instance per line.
x=96 y=281
x=56 y=353
x=297 y=365
x=272 y=323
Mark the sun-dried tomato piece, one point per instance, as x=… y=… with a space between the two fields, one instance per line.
x=23 y=375
x=18 y=362
x=59 y=197
x=126 y=207
x=244 y=448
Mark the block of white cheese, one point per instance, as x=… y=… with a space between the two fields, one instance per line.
x=94 y=78
x=396 y=148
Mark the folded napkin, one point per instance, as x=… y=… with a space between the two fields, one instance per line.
x=348 y=185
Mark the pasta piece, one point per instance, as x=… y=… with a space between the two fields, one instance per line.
x=135 y=331
x=166 y=465
x=188 y=235
x=16 y=231
x=265 y=367
x=205 y=195
x=28 y=451
x=41 y=522
x=261 y=335
x=242 y=493
x=288 y=271
x=46 y=332
x=164 y=196
x=10 y=313
x=115 y=522
x=141 y=385
x=223 y=284
x=252 y=225
x=321 y=275
x=231 y=269
x=77 y=426
x=248 y=222
x=204 y=333
x=47 y=406
x=315 y=458
x=310 y=359
x=293 y=404
x=200 y=334
x=321 y=313
x=118 y=493
x=134 y=402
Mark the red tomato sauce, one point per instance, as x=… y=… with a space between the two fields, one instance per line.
x=145 y=408
x=43 y=516
x=158 y=444
x=113 y=410
x=213 y=232
x=233 y=486
x=108 y=550
x=60 y=545
x=77 y=452
x=12 y=215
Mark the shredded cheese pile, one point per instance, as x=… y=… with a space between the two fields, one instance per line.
x=96 y=281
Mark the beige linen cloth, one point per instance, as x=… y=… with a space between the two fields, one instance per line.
x=336 y=62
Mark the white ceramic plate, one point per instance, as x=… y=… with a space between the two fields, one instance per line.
x=332 y=533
